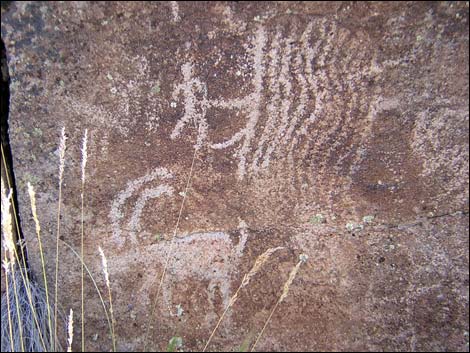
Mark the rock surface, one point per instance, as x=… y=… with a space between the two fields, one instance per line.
x=295 y=121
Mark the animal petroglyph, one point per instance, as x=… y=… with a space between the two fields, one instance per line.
x=215 y=259
x=306 y=107
x=303 y=91
x=117 y=215
x=215 y=252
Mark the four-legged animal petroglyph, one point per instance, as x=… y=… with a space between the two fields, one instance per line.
x=211 y=258
x=303 y=93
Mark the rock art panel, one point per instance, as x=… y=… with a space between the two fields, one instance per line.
x=336 y=130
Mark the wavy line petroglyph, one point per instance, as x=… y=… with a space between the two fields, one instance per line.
x=304 y=91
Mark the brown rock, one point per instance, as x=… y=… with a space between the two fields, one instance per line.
x=279 y=112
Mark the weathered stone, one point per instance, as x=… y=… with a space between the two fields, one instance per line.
x=279 y=112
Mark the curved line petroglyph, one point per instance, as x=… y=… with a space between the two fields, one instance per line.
x=306 y=88
x=116 y=213
x=304 y=93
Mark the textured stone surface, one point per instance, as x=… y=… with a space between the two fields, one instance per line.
x=295 y=110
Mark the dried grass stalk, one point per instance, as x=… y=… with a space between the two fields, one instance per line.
x=84 y=154
x=82 y=234
x=70 y=331
x=32 y=196
x=7 y=224
x=10 y=251
x=260 y=261
x=7 y=309
x=33 y=320
x=285 y=291
x=104 y=263
x=62 y=148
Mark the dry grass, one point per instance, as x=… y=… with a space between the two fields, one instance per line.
x=9 y=264
x=62 y=147
x=29 y=323
x=32 y=196
x=30 y=320
x=82 y=234
x=104 y=262
x=70 y=331
x=260 y=261
x=285 y=291
x=170 y=251
x=22 y=302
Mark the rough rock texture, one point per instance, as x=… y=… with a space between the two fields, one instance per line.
x=301 y=119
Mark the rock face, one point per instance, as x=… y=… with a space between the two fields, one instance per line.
x=337 y=130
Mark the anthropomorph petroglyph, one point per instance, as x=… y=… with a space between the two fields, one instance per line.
x=196 y=104
x=294 y=86
x=196 y=108
x=300 y=92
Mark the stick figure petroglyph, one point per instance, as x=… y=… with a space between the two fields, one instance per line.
x=196 y=107
x=195 y=104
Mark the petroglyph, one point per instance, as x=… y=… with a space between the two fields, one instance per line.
x=175 y=11
x=207 y=257
x=430 y=133
x=93 y=114
x=117 y=213
x=301 y=86
x=217 y=257
x=196 y=107
x=135 y=98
